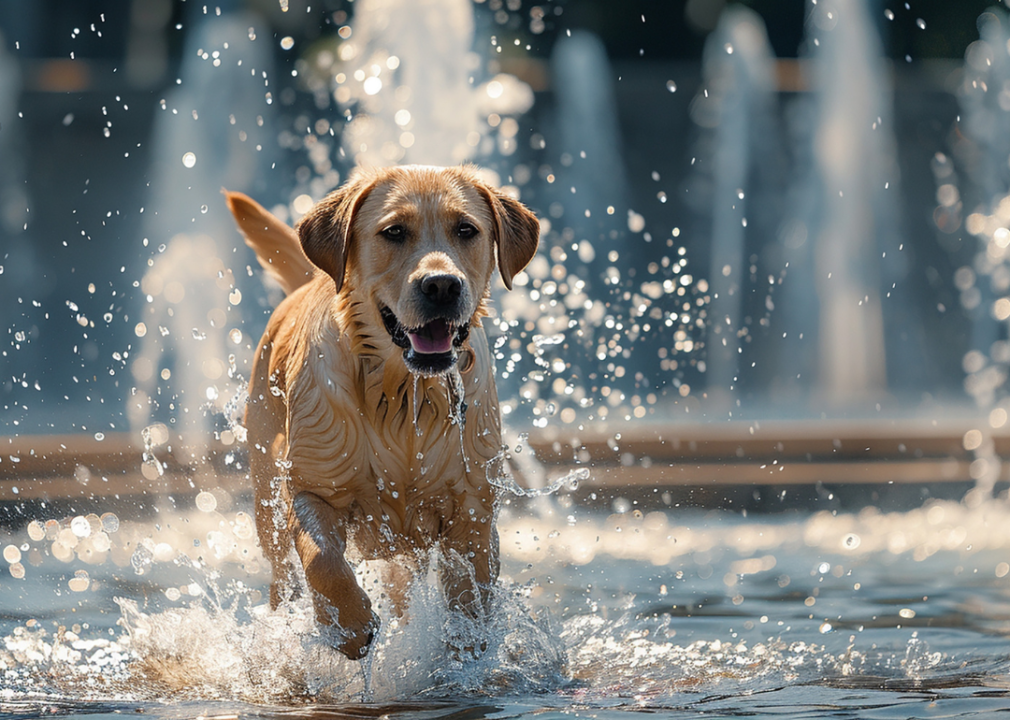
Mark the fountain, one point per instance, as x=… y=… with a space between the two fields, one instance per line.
x=984 y=286
x=214 y=130
x=736 y=102
x=854 y=155
x=408 y=78
x=589 y=144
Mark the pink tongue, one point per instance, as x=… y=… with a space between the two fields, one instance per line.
x=435 y=337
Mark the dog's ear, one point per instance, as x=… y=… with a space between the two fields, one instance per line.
x=325 y=232
x=516 y=233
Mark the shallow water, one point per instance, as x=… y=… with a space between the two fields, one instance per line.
x=690 y=613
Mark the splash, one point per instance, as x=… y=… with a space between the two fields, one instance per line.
x=504 y=481
x=225 y=646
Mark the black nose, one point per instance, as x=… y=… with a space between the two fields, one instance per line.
x=441 y=289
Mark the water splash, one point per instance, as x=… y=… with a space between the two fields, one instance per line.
x=504 y=481
x=223 y=645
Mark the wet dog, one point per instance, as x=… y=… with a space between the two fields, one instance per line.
x=373 y=415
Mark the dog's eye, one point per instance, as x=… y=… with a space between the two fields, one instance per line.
x=466 y=230
x=394 y=233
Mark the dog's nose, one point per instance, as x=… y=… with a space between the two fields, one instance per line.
x=442 y=289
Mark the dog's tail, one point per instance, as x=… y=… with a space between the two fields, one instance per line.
x=276 y=243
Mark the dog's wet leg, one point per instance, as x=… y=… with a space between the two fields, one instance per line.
x=471 y=567
x=319 y=533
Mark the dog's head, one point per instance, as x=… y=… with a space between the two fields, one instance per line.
x=419 y=244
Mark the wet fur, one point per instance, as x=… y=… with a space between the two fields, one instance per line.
x=372 y=450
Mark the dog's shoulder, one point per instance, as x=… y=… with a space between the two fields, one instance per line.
x=306 y=328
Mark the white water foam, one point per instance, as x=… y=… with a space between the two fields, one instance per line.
x=221 y=646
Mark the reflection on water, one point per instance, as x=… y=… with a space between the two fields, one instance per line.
x=628 y=611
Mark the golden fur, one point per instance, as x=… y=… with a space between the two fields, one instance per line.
x=373 y=450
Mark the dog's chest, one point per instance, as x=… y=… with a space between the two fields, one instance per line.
x=402 y=450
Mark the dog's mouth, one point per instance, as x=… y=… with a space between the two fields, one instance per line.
x=430 y=349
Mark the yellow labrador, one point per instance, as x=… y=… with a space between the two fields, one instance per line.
x=355 y=388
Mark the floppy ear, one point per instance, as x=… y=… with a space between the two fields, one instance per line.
x=516 y=233
x=325 y=232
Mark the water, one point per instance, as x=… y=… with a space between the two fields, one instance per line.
x=854 y=108
x=862 y=614
x=414 y=89
x=983 y=285
x=738 y=67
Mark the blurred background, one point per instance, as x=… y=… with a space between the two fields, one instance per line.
x=776 y=210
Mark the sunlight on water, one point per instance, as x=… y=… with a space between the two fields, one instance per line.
x=202 y=629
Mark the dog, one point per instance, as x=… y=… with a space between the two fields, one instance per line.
x=358 y=426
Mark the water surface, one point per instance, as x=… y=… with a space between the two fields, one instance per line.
x=683 y=612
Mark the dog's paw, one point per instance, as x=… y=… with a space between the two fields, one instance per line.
x=355 y=641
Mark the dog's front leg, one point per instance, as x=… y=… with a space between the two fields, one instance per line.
x=472 y=537
x=320 y=536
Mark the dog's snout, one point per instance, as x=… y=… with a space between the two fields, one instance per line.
x=442 y=288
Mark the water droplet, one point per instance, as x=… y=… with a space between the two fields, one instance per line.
x=99 y=436
x=206 y=502
x=80 y=581
x=189 y=159
x=671 y=86
x=12 y=554
x=825 y=628
x=203 y=208
x=110 y=522
x=80 y=526
x=287 y=42
x=889 y=14
x=921 y=23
